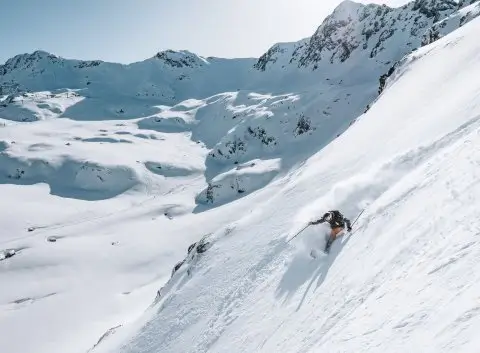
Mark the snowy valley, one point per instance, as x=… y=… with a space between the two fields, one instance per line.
x=109 y=172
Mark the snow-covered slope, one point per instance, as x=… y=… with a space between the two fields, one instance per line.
x=406 y=279
x=166 y=78
x=109 y=172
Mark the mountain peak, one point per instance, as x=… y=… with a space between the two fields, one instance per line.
x=346 y=9
x=26 y=61
x=36 y=55
x=180 y=58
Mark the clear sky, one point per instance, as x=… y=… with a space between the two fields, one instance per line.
x=133 y=30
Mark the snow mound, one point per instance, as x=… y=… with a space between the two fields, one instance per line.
x=79 y=162
x=29 y=107
x=180 y=59
x=242 y=180
x=165 y=123
x=68 y=178
x=169 y=170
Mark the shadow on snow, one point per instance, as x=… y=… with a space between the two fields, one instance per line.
x=303 y=268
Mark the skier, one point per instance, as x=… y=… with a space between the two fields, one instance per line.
x=337 y=223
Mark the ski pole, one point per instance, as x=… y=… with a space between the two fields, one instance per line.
x=308 y=225
x=356 y=219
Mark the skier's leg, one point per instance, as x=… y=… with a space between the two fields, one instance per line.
x=336 y=232
x=333 y=235
x=330 y=240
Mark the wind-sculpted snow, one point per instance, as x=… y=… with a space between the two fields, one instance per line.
x=169 y=170
x=65 y=164
x=29 y=107
x=68 y=178
x=240 y=181
x=173 y=123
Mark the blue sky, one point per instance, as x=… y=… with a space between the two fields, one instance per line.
x=132 y=30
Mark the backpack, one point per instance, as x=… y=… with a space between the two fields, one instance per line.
x=337 y=218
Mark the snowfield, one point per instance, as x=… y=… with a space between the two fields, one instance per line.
x=153 y=212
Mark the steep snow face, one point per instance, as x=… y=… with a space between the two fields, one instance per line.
x=280 y=55
x=406 y=279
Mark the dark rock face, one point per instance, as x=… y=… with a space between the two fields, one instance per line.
x=269 y=57
x=6 y=254
x=384 y=77
x=364 y=31
x=434 y=8
x=469 y=10
x=196 y=248
x=28 y=61
x=179 y=59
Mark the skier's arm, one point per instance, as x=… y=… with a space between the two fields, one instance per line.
x=321 y=220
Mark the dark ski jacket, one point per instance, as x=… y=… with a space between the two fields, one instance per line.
x=335 y=219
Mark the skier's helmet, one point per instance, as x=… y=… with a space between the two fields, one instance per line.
x=328 y=216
